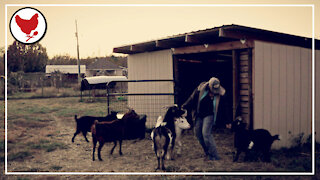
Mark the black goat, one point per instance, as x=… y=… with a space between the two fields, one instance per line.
x=135 y=125
x=164 y=135
x=130 y=126
x=259 y=140
x=162 y=138
x=173 y=113
x=84 y=123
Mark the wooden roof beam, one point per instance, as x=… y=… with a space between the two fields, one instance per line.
x=243 y=35
x=123 y=49
x=226 y=33
x=191 y=38
x=169 y=43
x=149 y=46
x=213 y=47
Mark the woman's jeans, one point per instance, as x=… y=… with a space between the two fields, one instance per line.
x=203 y=131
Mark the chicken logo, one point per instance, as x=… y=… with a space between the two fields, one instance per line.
x=28 y=25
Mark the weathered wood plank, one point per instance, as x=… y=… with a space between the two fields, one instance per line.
x=244 y=104
x=244 y=75
x=244 y=110
x=244 y=86
x=244 y=92
x=244 y=81
x=244 y=98
x=244 y=63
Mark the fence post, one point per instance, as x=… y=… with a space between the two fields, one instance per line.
x=108 y=98
x=41 y=79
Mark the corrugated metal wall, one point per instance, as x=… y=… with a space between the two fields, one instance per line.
x=150 y=66
x=317 y=98
x=282 y=91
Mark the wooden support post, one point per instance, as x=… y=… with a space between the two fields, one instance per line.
x=250 y=88
x=235 y=89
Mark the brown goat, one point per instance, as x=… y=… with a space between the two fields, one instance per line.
x=103 y=132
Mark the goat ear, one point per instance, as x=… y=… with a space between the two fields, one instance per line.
x=166 y=107
x=129 y=108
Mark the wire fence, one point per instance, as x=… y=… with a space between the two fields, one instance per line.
x=149 y=97
x=144 y=100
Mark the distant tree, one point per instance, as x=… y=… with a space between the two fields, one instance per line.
x=118 y=60
x=66 y=59
x=27 y=58
x=2 y=61
x=62 y=60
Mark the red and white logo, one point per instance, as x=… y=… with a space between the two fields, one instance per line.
x=28 y=25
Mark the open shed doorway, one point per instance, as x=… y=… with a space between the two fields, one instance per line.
x=192 y=69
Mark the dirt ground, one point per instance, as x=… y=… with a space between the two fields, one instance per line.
x=42 y=143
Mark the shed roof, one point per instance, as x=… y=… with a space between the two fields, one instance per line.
x=225 y=33
x=67 y=69
x=102 y=64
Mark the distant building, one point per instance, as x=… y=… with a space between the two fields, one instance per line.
x=70 y=70
x=103 y=67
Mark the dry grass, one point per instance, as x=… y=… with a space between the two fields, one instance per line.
x=39 y=140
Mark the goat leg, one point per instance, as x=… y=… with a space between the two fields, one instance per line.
x=266 y=156
x=85 y=135
x=158 y=163
x=94 y=141
x=114 y=146
x=246 y=157
x=120 y=143
x=75 y=134
x=162 y=164
x=99 y=150
x=237 y=155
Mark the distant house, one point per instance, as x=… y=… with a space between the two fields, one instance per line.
x=103 y=67
x=70 y=70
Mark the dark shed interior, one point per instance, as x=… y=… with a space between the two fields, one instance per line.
x=192 y=69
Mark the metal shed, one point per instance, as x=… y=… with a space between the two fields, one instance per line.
x=267 y=74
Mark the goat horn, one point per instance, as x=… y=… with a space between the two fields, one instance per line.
x=129 y=108
x=166 y=106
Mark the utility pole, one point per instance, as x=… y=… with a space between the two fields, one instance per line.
x=78 y=61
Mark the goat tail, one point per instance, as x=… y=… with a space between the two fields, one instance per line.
x=276 y=137
x=75 y=117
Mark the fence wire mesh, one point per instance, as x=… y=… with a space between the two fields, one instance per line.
x=144 y=100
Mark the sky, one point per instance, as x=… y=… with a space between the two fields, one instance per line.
x=101 y=28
